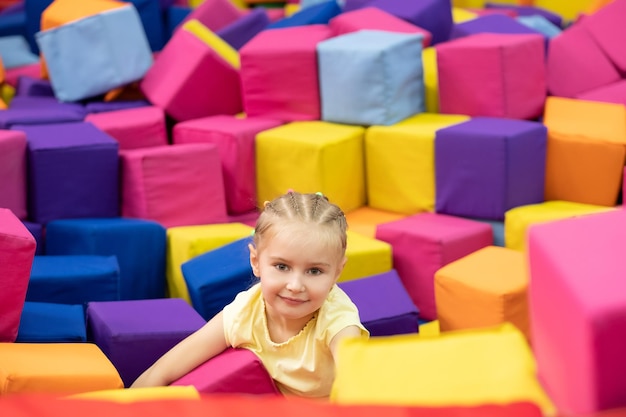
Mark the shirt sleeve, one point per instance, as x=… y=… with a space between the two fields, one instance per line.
x=337 y=313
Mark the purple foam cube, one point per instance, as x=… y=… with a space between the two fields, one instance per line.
x=239 y=32
x=73 y=172
x=385 y=306
x=486 y=166
x=133 y=334
x=491 y=23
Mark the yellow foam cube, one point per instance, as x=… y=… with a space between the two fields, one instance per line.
x=517 y=220
x=568 y=9
x=462 y=15
x=366 y=256
x=400 y=161
x=431 y=79
x=485 y=288
x=217 y=44
x=186 y=242
x=364 y=220
x=125 y=396
x=55 y=368
x=309 y=157
x=463 y=368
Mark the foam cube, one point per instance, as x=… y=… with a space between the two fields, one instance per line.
x=349 y=62
x=187 y=242
x=55 y=369
x=586 y=150
x=611 y=93
x=43 y=322
x=364 y=220
x=493 y=74
x=74 y=279
x=140 y=395
x=36 y=230
x=279 y=73
x=329 y=158
x=195 y=75
x=425 y=242
x=486 y=288
x=491 y=23
x=486 y=166
x=139 y=127
x=215 y=14
x=32 y=113
x=373 y=18
x=541 y=25
x=173 y=185
x=139 y=246
x=522 y=10
x=576 y=48
x=118 y=30
x=235 y=140
x=214 y=278
x=605 y=27
x=486 y=366
x=33 y=86
x=366 y=256
x=17 y=250
x=433 y=15
x=104 y=106
x=576 y=336
x=13 y=172
x=313 y=14
x=73 y=172
x=133 y=334
x=400 y=163
x=246 y=27
x=234 y=371
x=384 y=306
x=518 y=221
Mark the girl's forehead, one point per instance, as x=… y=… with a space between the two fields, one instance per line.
x=301 y=241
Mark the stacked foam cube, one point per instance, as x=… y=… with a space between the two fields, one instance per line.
x=477 y=148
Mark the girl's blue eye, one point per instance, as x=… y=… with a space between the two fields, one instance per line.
x=315 y=271
x=281 y=267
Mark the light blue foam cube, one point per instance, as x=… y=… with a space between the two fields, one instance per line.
x=371 y=77
x=93 y=55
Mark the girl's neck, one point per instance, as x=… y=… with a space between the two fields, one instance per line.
x=281 y=330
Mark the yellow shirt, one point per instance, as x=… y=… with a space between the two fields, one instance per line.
x=303 y=365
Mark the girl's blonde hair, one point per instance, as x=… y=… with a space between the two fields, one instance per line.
x=314 y=209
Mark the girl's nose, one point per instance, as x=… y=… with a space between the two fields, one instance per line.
x=295 y=283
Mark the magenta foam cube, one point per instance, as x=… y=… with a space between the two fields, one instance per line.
x=611 y=93
x=176 y=185
x=190 y=80
x=606 y=27
x=13 y=172
x=493 y=75
x=373 y=18
x=235 y=140
x=576 y=63
x=215 y=14
x=134 y=128
x=234 y=371
x=425 y=242
x=279 y=74
x=577 y=298
x=17 y=251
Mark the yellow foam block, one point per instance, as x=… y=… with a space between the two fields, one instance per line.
x=186 y=242
x=400 y=161
x=485 y=288
x=141 y=394
x=309 y=157
x=364 y=220
x=366 y=256
x=519 y=219
x=217 y=44
x=568 y=9
x=586 y=150
x=464 y=368
x=430 y=329
x=431 y=79
x=55 y=368
x=460 y=15
x=291 y=9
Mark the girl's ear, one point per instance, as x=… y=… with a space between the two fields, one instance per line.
x=340 y=269
x=254 y=260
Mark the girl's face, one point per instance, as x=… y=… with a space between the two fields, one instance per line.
x=297 y=267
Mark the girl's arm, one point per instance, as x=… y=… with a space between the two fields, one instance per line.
x=191 y=352
x=350 y=331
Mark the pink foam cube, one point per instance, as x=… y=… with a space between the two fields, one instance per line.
x=234 y=371
x=175 y=185
x=425 y=242
x=576 y=63
x=373 y=18
x=577 y=297
x=607 y=28
x=279 y=75
x=612 y=93
x=493 y=75
x=235 y=140
x=190 y=80
x=215 y=14
x=13 y=172
x=139 y=127
x=17 y=250
x=12 y=75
